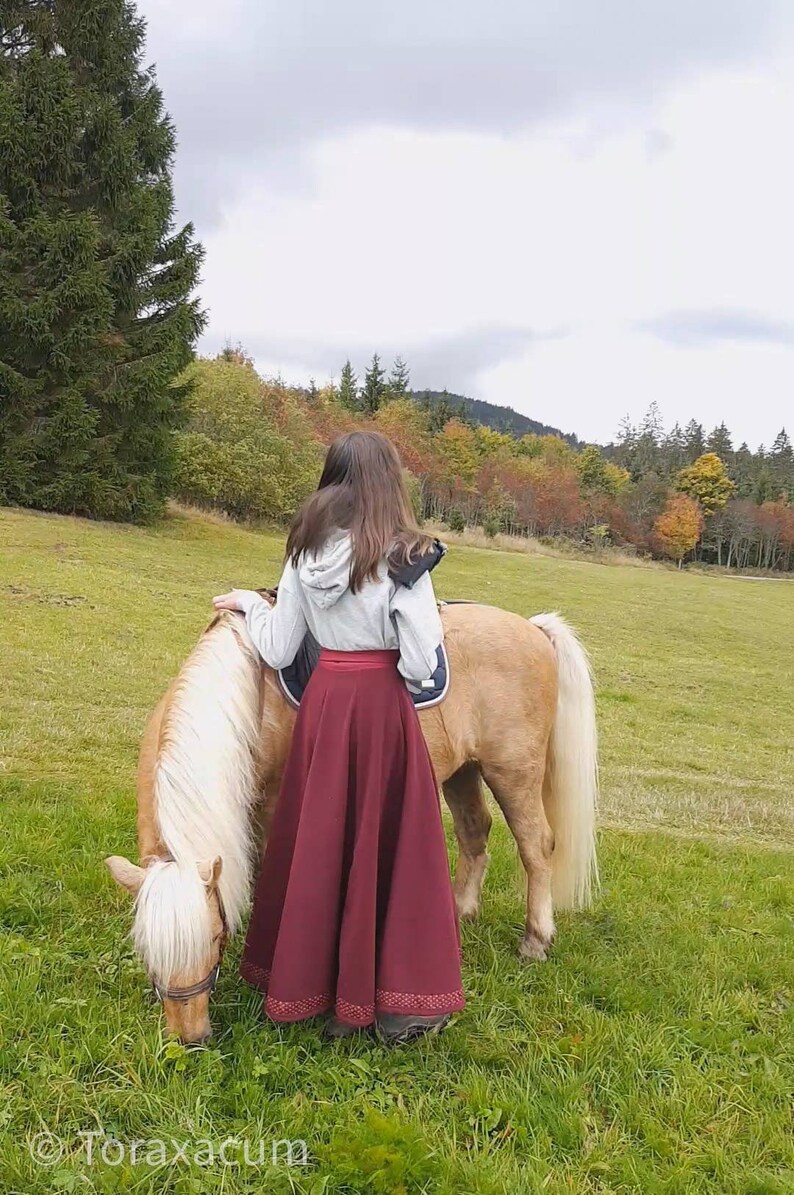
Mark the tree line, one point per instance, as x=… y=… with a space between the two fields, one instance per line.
x=253 y=447
x=744 y=498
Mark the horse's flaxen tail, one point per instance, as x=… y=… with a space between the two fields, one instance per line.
x=570 y=787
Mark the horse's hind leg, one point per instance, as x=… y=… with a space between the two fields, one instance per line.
x=519 y=794
x=466 y=800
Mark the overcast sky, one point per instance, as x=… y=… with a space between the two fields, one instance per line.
x=573 y=207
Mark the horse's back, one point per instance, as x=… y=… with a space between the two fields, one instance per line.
x=503 y=687
x=495 y=642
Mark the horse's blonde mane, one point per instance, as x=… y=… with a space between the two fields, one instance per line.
x=204 y=787
x=172 y=931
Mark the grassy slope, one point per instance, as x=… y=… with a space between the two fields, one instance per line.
x=652 y=1054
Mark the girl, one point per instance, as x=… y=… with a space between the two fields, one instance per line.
x=353 y=910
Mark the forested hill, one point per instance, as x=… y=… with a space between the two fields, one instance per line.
x=501 y=419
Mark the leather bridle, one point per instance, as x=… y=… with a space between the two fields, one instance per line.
x=207 y=984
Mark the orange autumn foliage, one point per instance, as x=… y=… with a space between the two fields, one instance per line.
x=678 y=528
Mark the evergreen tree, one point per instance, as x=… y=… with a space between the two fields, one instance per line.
x=743 y=471
x=695 y=443
x=626 y=432
x=374 y=386
x=781 y=448
x=641 y=449
x=399 y=379
x=652 y=425
x=348 y=387
x=781 y=464
x=440 y=410
x=674 y=451
x=96 y=318
x=719 y=442
x=626 y=444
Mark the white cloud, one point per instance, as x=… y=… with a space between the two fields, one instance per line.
x=414 y=223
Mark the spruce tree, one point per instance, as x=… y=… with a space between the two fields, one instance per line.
x=647 y=454
x=348 y=387
x=399 y=379
x=674 y=450
x=626 y=445
x=781 y=461
x=719 y=441
x=695 y=442
x=96 y=315
x=744 y=470
x=374 y=386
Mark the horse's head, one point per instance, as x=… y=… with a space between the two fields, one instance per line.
x=179 y=933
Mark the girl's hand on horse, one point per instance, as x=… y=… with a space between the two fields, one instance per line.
x=236 y=599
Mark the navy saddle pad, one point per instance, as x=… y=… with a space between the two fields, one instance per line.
x=295 y=677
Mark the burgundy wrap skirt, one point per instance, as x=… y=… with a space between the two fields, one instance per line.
x=354 y=910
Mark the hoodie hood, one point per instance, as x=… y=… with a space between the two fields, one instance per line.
x=409 y=574
x=325 y=576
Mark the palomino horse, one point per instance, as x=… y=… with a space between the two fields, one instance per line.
x=519 y=714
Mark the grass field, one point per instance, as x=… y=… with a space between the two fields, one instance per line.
x=653 y=1053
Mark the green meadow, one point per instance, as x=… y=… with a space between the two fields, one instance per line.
x=653 y=1053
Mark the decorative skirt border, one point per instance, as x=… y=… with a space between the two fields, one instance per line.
x=392 y=1003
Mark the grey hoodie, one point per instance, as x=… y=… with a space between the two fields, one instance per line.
x=316 y=597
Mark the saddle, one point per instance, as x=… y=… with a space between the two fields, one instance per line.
x=295 y=677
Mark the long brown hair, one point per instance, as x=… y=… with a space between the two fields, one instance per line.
x=362 y=491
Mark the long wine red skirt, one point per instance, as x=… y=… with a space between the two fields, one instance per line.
x=354 y=910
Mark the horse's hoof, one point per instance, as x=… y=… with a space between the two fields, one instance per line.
x=468 y=910
x=532 y=949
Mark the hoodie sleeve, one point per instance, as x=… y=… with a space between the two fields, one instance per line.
x=419 y=631
x=277 y=631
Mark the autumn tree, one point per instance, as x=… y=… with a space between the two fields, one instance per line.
x=598 y=475
x=500 y=509
x=773 y=521
x=555 y=500
x=679 y=526
x=248 y=447
x=456 y=448
x=708 y=482
x=406 y=424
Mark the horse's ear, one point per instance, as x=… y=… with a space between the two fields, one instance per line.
x=129 y=875
x=211 y=872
